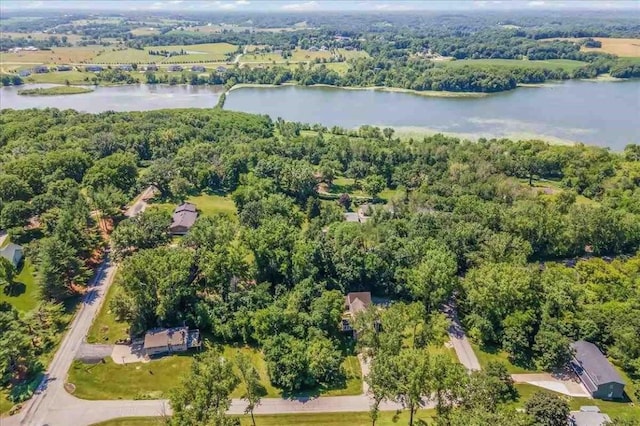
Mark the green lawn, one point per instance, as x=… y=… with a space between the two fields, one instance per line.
x=207 y=204
x=155 y=379
x=386 y=418
x=209 y=52
x=565 y=64
x=105 y=328
x=25 y=296
x=73 y=77
x=344 y=184
x=487 y=354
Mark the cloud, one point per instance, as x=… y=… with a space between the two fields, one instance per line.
x=176 y=1
x=301 y=6
x=536 y=3
x=227 y=6
x=242 y=2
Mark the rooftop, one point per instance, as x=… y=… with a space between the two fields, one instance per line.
x=358 y=301
x=166 y=336
x=594 y=364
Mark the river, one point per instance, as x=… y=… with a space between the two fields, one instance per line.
x=598 y=113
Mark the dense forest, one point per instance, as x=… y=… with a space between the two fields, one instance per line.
x=532 y=268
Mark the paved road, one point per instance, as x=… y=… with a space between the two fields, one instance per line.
x=459 y=340
x=51 y=394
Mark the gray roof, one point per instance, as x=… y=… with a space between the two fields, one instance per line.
x=584 y=418
x=165 y=336
x=9 y=252
x=351 y=217
x=594 y=368
x=184 y=215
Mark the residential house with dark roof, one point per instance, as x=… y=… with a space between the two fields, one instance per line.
x=63 y=68
x=174 y=68
x=40 y=69
x=13 y=253
x=354 y=303
x=596 y=372
x=198 y=68
x=169 y=340
x=221 y=70
x=24 y=73
x=184 y=216
x=125 y=67
x=93 y=68
x=152 y=67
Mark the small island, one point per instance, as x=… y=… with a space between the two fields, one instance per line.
x=54 y=91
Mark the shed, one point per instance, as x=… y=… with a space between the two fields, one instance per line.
x=184 y=216
x=596 y=372
x=13 y=253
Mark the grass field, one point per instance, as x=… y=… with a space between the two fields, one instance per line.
x=26 y=295
x=144 y=31
x=58 y=55
x=207 y=204
x=623 y=47
x=71 y=38
x=345 y=184
x=155 y=379
x=126 y=56
x=210 y=52
x=565 y=64
x=73 y=77
x=486 y=355
x=105 y=328
x=386 y=418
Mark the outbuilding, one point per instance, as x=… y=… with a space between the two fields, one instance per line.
x=169 y=340
x=13 y=253
x=596 y=372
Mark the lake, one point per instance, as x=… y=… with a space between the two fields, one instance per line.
x=598 y=113
x=141 y=97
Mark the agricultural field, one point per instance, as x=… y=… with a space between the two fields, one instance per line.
x=57 y=55
x=144 y=31
x=210 y=52
x=566 y=64
x=71 y=38
x=126 y=56
x=623 y=47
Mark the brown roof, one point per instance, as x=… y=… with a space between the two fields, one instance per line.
x=358 y=301
x=165 y=336
x=184 y=215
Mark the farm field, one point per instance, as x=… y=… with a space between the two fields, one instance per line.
x=57 y=55
x=566 y=64
x=210 y=52
x=623 y=47
x=126 y=56
x=143 y=31
x=71 y=38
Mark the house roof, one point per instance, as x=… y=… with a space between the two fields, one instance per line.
x=166 y=336
x=351 y=217
x=184 y=215
x=595 y=369
x=10 y=250
x=185 y=207
x=358 y=301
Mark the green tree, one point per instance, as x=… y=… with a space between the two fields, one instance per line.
x=374 y=185
x=204 y=397
x=547 y=409
x=433 y=280
x=250 y=379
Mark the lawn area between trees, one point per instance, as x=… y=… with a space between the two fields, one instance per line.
x=207 y=204
x=386 y=418
x=155 y=379
x=25 y=291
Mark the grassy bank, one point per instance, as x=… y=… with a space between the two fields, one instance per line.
x=54 y=91
x=386 y=418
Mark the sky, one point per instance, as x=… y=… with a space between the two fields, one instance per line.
x=317 y=5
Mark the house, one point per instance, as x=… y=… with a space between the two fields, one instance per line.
x=63 y=68
x=13 y=253
x=93 y=68
x=589 y=416
x=596 y=372
x=125 y=67
x=40 y=69
x=354 y=303
x=152 y=67
x=221 y=70
x=174 y=68
x=184 y=216
x=198 y=68
x=24 y=73
x=168 y=340
x=352 y=217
